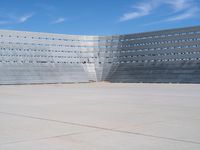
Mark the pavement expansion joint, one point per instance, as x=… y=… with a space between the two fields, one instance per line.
x=97 y=127
x=46 y=138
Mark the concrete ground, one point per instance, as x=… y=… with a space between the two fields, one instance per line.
x=100 y=116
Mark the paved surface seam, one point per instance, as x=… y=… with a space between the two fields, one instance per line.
x=101 y=128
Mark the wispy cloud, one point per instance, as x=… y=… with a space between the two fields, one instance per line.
x=178 y=5
x=51 y=12
x=10 y=18
x=24 y=18
x=185 y=15
x=142 y=9
x=58 y=20
x=182 y=9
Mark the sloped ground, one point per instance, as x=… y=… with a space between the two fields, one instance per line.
x=100 y=116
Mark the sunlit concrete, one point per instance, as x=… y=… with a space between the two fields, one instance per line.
x=100 y=116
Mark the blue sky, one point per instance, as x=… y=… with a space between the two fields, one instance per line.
x=98 y=17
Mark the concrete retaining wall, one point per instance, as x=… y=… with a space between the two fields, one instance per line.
x=161 y=56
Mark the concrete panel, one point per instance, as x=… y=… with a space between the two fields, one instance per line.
x=101 y=116
x=28 y=57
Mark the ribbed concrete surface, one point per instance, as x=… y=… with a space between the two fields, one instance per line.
x=100 y=116
x=182 y=72
x=160 y=56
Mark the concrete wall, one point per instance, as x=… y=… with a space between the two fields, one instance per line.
x=161 y=56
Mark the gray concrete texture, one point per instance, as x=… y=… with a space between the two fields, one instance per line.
x=160 y=56
x=100 y=116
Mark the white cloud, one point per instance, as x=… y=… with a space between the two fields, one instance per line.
x=10 y=18
x=58 y=20
x=142 y=9
x=178 y=5
x=185 y=15
x=24 y=18
x=182 y=9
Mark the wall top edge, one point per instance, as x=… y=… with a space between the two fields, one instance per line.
x=95 y=37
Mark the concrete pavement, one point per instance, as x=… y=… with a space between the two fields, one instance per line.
x=100 y=116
